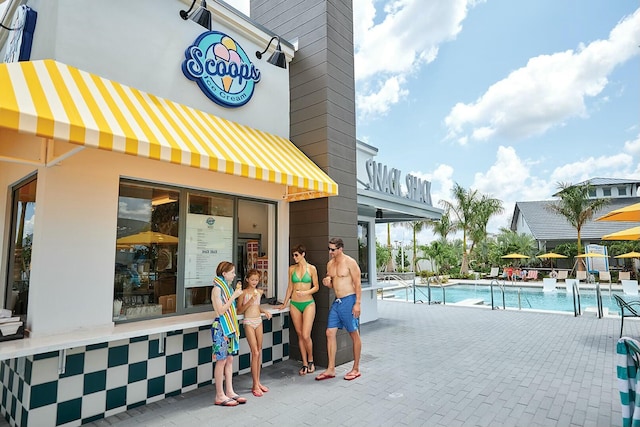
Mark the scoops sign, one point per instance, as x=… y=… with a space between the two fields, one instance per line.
x=221 y=68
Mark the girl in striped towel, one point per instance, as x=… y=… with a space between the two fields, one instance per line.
x=225 y=333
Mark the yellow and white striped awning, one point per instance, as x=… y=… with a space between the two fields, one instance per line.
x=54 y=100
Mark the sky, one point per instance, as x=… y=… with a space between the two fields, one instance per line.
x=507 y=98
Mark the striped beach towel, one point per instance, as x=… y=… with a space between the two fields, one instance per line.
x=228 y=319
x=628 y=351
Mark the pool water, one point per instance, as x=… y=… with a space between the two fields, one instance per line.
x=530 y=298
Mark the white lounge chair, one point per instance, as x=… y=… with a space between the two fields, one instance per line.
x=604 y=276
x=630 y=287
x=549 y=284
x=624 y=275
x=562 y=275
x=581 y=275
x=493 y=274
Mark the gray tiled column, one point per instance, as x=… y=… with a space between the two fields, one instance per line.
x=323 y=127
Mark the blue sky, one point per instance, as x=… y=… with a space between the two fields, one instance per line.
x=509 y=98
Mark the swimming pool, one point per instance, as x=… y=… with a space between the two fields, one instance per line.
x=530 y=298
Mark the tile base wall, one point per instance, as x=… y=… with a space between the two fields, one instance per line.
x=105 y=379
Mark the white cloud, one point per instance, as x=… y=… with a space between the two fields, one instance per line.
x=546 y=92
x=378 y=102
x=389 y=49
x=590 y=167
x=633 y=147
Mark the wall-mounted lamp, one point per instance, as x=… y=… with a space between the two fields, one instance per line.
x=201 y=16
x=379 y=214
x=277 y=58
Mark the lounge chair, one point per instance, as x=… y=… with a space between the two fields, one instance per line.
x=604 y=276
x=532 y=275
x=630 y=287
x=581 y=275
x=627 y=309
x=624 y=275
x=628 y=361
x=548 y=284
x=493 y=274
x=562 y=275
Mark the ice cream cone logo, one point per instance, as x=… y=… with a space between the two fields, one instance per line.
x=226 y=51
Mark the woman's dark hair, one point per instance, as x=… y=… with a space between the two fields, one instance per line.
x=300 y=249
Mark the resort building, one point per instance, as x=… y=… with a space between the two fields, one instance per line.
x=550 y=229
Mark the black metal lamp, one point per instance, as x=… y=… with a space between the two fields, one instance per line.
x=201 y=16
x=379 y=214
x=277 y=58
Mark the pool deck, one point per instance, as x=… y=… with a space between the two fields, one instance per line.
x=434 y=365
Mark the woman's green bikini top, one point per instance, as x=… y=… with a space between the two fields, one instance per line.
x=306 y=277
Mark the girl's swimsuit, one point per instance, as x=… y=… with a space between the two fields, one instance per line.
x=254 y=322
x=306 y=278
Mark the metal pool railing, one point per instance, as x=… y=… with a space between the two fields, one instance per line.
x=577 y=307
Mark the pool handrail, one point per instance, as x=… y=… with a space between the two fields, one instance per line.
x=577 y=310
x=501 y=286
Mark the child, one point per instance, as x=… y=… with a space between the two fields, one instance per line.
x=224 y=333
x=249 y=304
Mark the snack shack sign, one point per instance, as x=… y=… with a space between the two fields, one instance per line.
x=387 y=180
x=221 y=68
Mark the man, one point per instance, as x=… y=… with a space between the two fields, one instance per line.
x=343 y=275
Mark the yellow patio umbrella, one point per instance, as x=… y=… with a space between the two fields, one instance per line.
x=592 y=255
x=629 y=255
x=632 y=233
x=147 y=238
x=515 y=256
x=551 y=256
x=627 y=213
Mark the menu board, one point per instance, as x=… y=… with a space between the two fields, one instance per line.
x=209 y=241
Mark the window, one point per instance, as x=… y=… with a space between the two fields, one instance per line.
x=606 y=192
x=622 y=191
x=363 y=250
x=146 y=251
x=165 y=262
x=23 y=214
x=592 y=192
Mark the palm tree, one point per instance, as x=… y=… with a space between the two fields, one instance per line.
x=576 y=206
x=442 y=227
x=416 y=227
x=484 y=210
x=463 y=212
x=472 y=211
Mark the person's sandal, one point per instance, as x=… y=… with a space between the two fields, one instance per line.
x=312 y=367
x=304 y=370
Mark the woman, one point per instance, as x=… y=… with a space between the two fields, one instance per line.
x=303 y=283
x=225 y=333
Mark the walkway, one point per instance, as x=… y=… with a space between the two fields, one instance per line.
x=434 y=366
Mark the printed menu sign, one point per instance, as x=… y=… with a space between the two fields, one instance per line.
x=208 y=242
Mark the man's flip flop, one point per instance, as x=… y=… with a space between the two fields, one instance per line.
x=324 y=376
x=352 y=376
x=228 y=402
